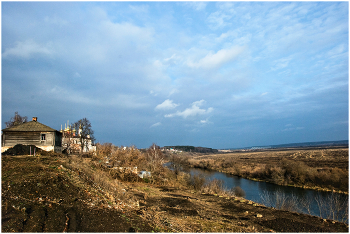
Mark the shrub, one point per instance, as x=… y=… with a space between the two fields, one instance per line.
x=103 y=150
x=216 y=186
x=238 y=192
x=226 y=163
x=237 y=168
x=197 y=181
x=183 y=178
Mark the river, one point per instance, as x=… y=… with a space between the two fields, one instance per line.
x=319 y=203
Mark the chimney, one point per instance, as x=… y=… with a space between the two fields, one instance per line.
x=35 y=119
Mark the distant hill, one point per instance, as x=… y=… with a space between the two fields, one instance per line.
x=302 y=144
x=187 y=148
x=311 y=144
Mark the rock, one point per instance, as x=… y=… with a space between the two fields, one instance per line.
x=259 y=215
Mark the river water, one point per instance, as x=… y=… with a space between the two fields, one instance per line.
x=319 y=203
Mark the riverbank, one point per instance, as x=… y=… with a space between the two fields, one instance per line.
x=319 y=169
x=73 y=194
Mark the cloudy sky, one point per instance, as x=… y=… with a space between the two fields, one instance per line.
x=212 y=74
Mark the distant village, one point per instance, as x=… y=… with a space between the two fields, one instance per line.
x=69 y=139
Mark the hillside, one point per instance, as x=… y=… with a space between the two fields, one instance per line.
x=72 y=194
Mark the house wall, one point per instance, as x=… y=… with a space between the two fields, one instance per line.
x=24 y=138
x=52 y=140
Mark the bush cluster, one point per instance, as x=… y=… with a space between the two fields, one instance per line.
x=298 y=173
x=120 y=160
x=286 y=172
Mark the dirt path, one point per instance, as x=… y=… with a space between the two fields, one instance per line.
x=186 y=211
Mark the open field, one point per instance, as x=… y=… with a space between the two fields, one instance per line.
x=73 y=194
x=312 y=168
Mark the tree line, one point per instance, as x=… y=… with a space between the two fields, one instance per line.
x=194 y=149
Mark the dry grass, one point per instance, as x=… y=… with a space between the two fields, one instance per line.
x=324 y=168
x=90 y=172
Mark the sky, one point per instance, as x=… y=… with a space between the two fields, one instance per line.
x=211 y=74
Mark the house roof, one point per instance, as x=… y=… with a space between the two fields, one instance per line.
x=31 y=126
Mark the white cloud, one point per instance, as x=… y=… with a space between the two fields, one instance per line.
x=218 y=59
x=281 y=63
x=77 y=74
x=192 y=111
x=26 y=49
x=337 y=50
x=205 y=121
x=173 y=91
x=292 y=128
x=172 y=60
x=218 y=20
x=166 y=105
x=139 y=9
x=198 y=6
x=156 y=124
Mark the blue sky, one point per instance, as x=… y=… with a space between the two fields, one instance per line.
x=212 y=74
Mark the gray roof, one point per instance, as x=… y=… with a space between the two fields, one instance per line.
x=31 y=126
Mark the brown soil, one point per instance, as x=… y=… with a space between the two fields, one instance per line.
x=42 y=195
x=39 y=196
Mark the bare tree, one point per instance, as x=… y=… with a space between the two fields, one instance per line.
x=85 y=133
x=155 y=161
x=333 y=206
x=154 y=156
x=17 y=119
x=280 y=200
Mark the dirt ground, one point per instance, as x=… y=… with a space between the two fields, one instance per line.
x=42 y=195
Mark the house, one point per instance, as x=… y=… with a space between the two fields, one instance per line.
x=71 y=141
x=32 y=133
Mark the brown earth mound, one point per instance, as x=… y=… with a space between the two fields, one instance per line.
x=41 y=196
x=20 y=149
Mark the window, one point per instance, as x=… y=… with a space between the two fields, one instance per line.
x=43 y=137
